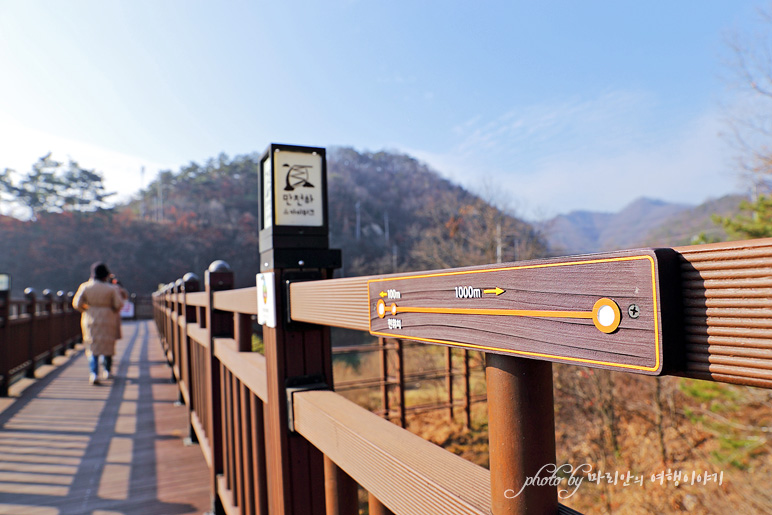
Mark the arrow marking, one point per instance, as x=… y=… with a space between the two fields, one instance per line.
x=605 y=314
x=498 y=291
x=500 y=312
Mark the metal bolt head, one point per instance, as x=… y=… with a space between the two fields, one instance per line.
x=634 y=311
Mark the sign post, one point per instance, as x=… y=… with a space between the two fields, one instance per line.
x=294 y=246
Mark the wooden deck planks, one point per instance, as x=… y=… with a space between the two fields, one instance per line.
x=118 y=448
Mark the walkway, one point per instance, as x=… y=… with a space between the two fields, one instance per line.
x=117 y=448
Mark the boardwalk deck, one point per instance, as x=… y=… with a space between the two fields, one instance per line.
x=118 y=448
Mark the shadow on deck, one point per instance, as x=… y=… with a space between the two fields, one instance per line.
x=117 y=448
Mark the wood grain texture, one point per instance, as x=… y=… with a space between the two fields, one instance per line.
x=199 y=299
x=68 y=447
x=479 y=318
x=552 y=290
x=334 y=302
x=248 y=367
x=406 y=473
x=198 y=335
x=237 y=301
x=727 y=300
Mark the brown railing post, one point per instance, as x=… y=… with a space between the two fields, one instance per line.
x=294 y=246
x=243 y=332
x=73 y=319
x=383 y=358
x=400 y=371
x=5 y=313
x=29 y=294
x=340 y=490
x=48 y=320
x=521 y=433
x=376 y=507
x=61 y=331
x=218 y=277
x=449 y=381
x=295 y=468
x=176 y=336
x=190 y=285
x=467 y=393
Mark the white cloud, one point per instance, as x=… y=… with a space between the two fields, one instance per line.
x=595 y=155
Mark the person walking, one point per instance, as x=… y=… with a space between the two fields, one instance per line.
x=100 y=304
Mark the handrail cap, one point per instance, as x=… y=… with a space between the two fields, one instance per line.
x=219 y=266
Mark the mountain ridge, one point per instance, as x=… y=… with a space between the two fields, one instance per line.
x=643 y=222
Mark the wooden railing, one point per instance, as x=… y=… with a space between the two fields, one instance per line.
x=278 y=440
x=33 y=331
x=257 y=464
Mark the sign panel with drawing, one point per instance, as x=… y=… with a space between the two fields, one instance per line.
x=292 y=184
x=297 y=181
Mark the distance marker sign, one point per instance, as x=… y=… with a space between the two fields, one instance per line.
x=596 y=311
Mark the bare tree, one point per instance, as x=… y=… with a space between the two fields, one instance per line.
x=474 y=232
x=750 y=115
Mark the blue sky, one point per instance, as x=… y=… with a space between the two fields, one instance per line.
x=554 y=105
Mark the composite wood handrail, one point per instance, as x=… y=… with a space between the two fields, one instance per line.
x=724 y=296
x=278 y=440
x=422 y=477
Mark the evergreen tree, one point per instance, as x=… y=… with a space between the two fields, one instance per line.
x=51 y=188
x=755 y=220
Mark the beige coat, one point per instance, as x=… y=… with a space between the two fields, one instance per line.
x=100 y=303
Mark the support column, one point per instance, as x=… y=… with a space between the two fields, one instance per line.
x=521 y=434
x=340 y=490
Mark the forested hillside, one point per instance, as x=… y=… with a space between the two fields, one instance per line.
x=387 y=212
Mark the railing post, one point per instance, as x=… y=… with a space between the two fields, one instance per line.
x=521 y=434
x=176 y=336
x=218 y=324
x=294 y=246
x=449 y=381
x=29 y=294
x=73 y=319
x=243 y=332
x=190 y=285
x=5 y=313
x=400 y=371
x=467 y=392
x=383 y=358
x=168 y=329
x=63 y=336
x=295 y=467
x=48 y=320
x=340 y=490
x=376 y=507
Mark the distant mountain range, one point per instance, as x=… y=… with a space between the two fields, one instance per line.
x=643 y=223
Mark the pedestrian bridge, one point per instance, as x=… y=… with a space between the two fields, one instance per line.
x=273 y=436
